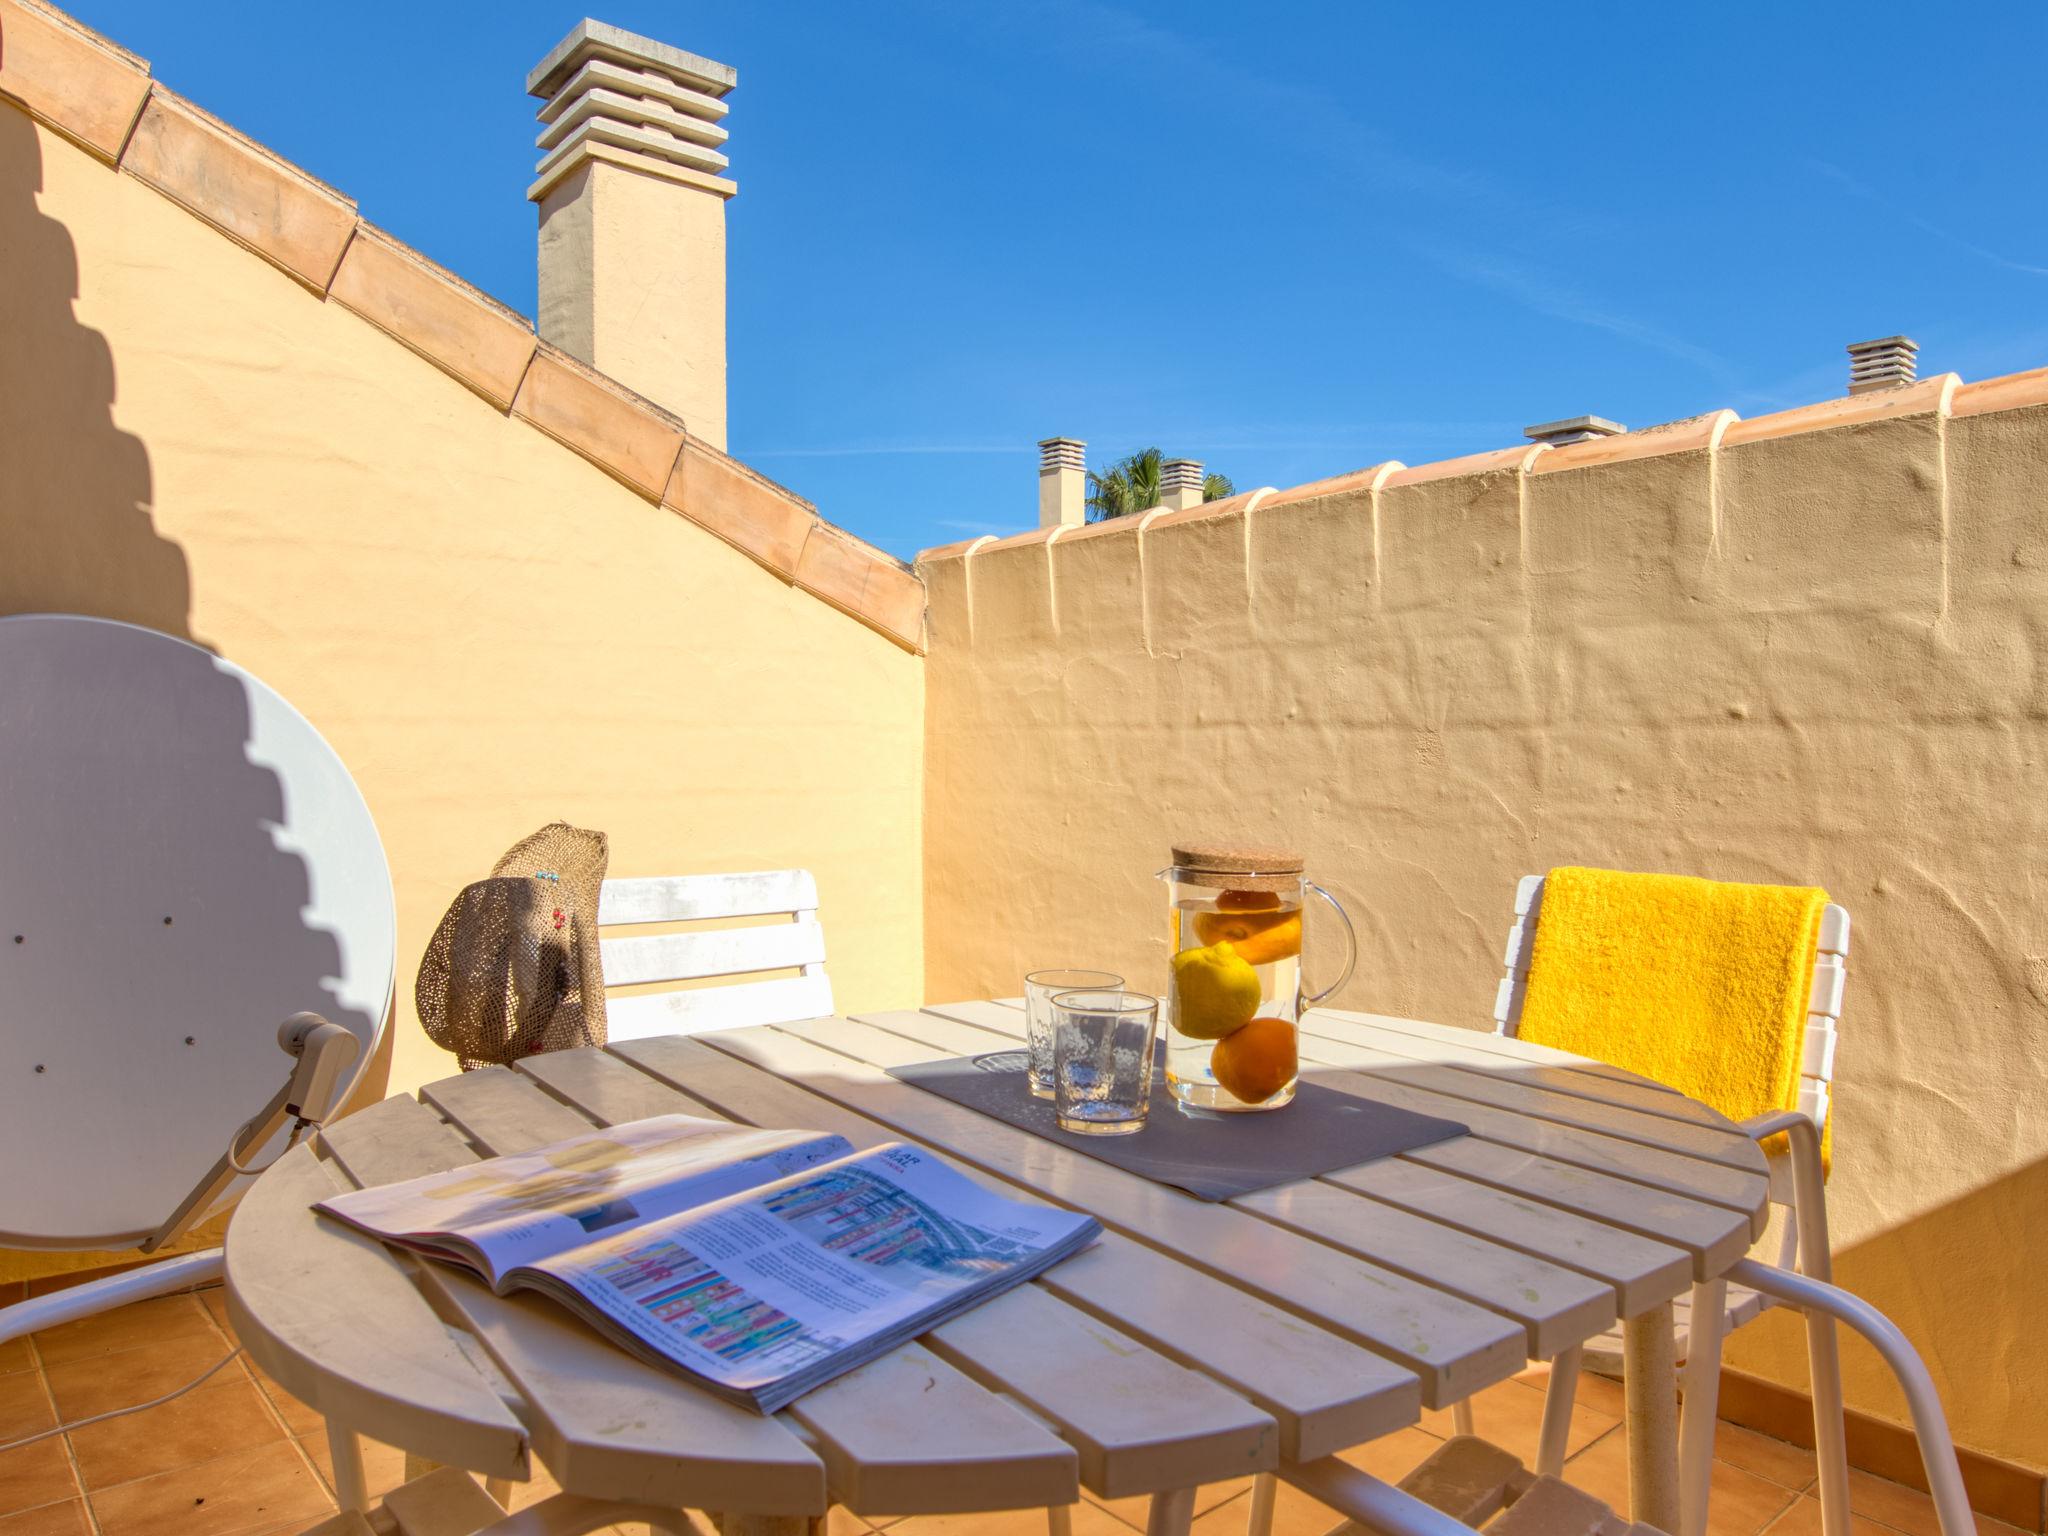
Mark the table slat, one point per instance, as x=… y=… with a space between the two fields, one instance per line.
x=599 y=1418
x=1455 y=1347
x=1454 y=1047
x=1642 y=1273
x=1714 y=1235
x=502 y=1112
x=1140 y=1422
x=1511 y=1046
x=1505 y=1089
x=299 y=1287
x=1325 y=1393
x=1558 y=1306
x=949 y=1424
x=1354 y=1070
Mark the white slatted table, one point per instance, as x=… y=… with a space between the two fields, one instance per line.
x=1196 y=1342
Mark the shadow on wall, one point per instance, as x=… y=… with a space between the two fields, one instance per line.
x=79 y=534
x=125 y=865
x=1950 y=1276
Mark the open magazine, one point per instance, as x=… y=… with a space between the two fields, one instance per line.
x=759 y=1263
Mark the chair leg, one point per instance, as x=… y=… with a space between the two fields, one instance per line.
x=1171 y=1513
x=1461 y=1416
x=351 y=1484
x=1702 y=1388
x=1554 y=1439
x=1265 y=1490
x=1830 y=1427
x=1059 y=1520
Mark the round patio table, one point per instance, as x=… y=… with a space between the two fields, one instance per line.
x=1195 y=1343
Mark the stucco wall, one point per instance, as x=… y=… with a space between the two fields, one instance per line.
x=1811 y=653
x=490 y=630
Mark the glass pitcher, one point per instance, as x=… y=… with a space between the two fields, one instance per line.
x=1235 y=992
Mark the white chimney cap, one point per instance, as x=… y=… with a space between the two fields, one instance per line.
x=590 y=39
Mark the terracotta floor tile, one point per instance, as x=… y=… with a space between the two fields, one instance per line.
x=197 y=1427
x=383 y=1465
x=1740 y=1504
x=131 y=1327
x=24 y=1405
x=1902 y=1508
x=35 y=1475
x=241 y=1492
x=99 y=1383
x=14 y=1356
x=303 y=1421
x=66 y=1519
x=1392 y=1457
x=215 y=1299
x=1803 y=1519
x=1133 y=1511
x=1511 y=1415
x=1088 y=1521
x=1781 y=1463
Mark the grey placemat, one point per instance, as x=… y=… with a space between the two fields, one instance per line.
x=1206 y=1152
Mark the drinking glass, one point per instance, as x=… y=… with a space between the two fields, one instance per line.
x=1039 y=988
x=1102 y=1060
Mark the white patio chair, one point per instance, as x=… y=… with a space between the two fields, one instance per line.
x=187 y=865
x=738 y=957
x=1715 y=1307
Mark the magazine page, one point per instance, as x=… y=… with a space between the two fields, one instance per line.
x=519 y=1209
x=768 y=1286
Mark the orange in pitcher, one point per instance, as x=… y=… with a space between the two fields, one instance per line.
x=1260 y=937
x=1257 y=1061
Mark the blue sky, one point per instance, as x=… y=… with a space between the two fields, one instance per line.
x=1287 y=240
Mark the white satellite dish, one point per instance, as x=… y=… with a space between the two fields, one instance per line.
x=184 y=865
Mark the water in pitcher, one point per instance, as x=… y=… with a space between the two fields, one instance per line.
x=1236 y=997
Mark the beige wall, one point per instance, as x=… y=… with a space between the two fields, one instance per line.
x=491 y=631
x=1807 y=656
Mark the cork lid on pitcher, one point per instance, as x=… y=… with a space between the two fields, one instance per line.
x=1237 y=867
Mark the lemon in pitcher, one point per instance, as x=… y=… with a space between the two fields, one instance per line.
x=1215 y=991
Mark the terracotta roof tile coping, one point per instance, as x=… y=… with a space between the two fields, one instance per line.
x=955 y=551
x=254 y=197
x=452 y=325
x=87 y=88
x=1371 y=478
x=101 y=96
x=1225 y=506
x=746 y=509
x=1929 y=395
x=622 y=433
x=1509 y=460
x=1694 y=432
x=2009 y=393
x=845 y=572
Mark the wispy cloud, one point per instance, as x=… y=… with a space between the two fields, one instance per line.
x=1856 y=188
x=1297 y=115
x=1546 y=296
x=959 y=525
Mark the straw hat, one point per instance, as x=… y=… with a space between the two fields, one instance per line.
x=513 y=970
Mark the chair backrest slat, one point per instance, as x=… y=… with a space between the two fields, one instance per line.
x=687 y=898
x=781 y=1000
x=722 y=952
x=795 y=943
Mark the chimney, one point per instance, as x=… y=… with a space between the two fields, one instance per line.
x=1180 y=483
x=1573 y=429
x=632 y=215
x=1885 y=363
x=1062 y=482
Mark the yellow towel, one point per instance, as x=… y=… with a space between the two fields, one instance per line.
x=1698 y=984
